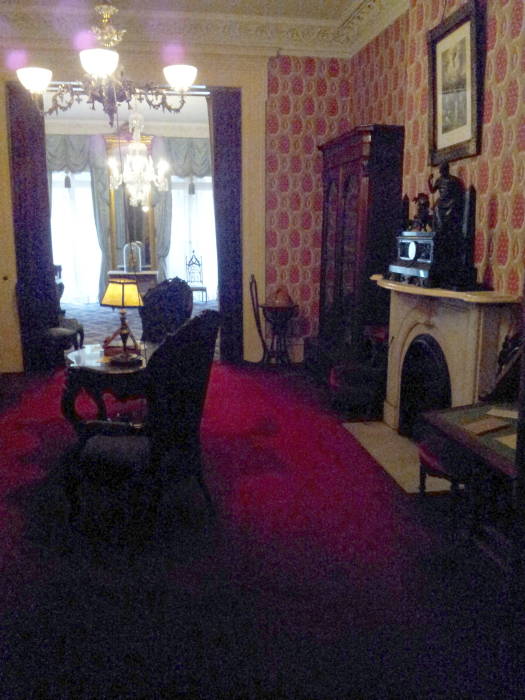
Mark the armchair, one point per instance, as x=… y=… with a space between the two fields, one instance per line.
x=166 y=307
x=126 y=464
x=44 y=337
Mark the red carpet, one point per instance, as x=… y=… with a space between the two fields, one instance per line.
x=320 y=579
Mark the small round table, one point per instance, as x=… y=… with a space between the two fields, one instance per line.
x=279 y=317
x=90 y=370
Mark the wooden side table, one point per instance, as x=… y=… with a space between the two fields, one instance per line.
x=279 y=318
x=90 y=370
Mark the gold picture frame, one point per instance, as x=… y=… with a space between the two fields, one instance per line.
x=455 y=85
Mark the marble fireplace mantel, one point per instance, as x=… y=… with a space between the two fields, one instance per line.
x=469 y=327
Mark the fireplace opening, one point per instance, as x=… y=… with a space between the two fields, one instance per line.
x=425 y=383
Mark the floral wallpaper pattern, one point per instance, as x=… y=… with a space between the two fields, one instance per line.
x=312 y=100
x=498 y=173
x=309 y=102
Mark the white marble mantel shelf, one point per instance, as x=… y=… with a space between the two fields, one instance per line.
x=469 y=297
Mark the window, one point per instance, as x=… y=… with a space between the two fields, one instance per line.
x=193 y=229
x=74 y=237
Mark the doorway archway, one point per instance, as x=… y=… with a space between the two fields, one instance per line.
x=227 y=170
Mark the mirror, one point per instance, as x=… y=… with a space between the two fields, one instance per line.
x=129 y=223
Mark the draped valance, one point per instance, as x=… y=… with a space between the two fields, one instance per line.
x=75 y=152
x=186 y=156
x=78 y=152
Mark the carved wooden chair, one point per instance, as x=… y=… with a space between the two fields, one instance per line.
x=194 y=276
x=256 y=308
x=63 y=322
x=436 y=456
x=44 y=338
x=122 y=469
x=435 y=460
x=166 y=307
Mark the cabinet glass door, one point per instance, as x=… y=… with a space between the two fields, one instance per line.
x=349 y=231
x=330 y=248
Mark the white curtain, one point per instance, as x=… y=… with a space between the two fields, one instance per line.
x=74 y=237
x=193 y=229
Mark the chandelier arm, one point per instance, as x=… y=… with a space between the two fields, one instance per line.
x=62 y=100
x=100 y=85
x=158 y=99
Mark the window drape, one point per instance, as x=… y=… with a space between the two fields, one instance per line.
x=77 y=153
x=193 y=229
x=101 y=205
x=68 y=152
x=75 y=245
x=224 y=105
x=31 y=227
x=187 y=157
x=162 y=213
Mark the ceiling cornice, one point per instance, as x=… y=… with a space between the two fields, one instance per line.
x=34 y=23
x=368 y=20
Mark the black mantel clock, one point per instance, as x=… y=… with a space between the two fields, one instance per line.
x=415 y=256
x=437 y=249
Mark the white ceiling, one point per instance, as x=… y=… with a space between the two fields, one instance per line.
x=324 y=28
x=295 y=27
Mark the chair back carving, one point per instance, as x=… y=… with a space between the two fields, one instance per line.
x=194 y=269
x=166 y=307
x=254 y=296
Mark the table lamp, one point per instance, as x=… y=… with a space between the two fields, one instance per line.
x=123 y=294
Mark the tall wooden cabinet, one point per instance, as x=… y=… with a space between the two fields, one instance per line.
x=362 y=180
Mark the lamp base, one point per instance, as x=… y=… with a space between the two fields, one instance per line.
x=126 y=359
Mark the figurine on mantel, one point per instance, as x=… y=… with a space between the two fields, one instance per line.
x=423 y=218
x=454 y=225
x=448 y=210
x=437 y=250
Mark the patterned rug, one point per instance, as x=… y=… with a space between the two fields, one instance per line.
x=100 y=322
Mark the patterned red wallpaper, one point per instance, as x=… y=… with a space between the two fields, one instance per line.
x=498 y=173
x=312 y=100
x=309 y=102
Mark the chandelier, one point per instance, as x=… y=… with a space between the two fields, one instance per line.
x=100 y=85
x=137 y=171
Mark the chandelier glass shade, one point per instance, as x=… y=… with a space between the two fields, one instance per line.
x=180 y=77
x=100 y=84
x=99 y=63
x=137 y=171
x=34 y=79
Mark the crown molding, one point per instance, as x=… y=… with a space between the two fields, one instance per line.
x=36 y=23
x=369 y=19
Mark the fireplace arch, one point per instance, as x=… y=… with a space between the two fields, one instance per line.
x=469 y=328
x=425 y=382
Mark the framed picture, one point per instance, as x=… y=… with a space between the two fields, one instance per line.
x=455 y=85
